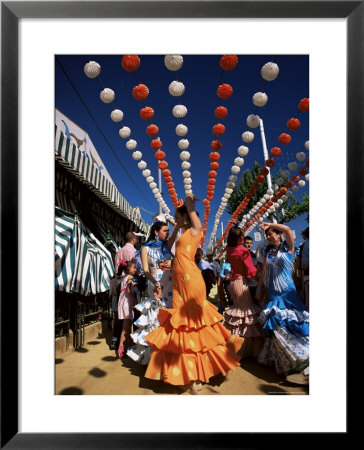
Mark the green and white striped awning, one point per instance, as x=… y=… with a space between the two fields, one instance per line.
x=71 y=157
x=82 y=264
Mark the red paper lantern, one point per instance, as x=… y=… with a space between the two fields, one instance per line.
x=264 y=171
x=168 y=179
x=211 y=181
x=221 y=112
x=152 y=130
x=293 y=124
x=147 y=113
x=307 y=163
x=172 y=191
x=170 y=185
x=216 y=145
x=260 y=178
x=276 y=151
x=289 y=184
x=295 y=178
x=130 y=63
x=270 y=203
x=209 y=196
x=210 y=187
x=156 y=144
x=214 y=165
x=166 y=172
x=255 y=185
x=140 y=92
x=159 y=155
x=283 y=190
x=284 y=139
x=218 y=129
x=228 y=62
x=212 y=174
x=304 y=104
x=269 y=162
x=303 y=171
x=163 y=165
x=205 y=202
x=214 y=156
x=224 y=91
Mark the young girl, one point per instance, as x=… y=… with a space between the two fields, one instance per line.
x=126 y=303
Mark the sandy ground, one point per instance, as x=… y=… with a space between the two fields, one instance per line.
x=96 y=370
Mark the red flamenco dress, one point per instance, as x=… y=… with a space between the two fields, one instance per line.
x=191 y=344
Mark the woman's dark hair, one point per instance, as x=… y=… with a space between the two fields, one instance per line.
x=155 y=228
x=183 y=210
x=234 y=234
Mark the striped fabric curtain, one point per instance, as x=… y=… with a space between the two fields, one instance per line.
x=83 y=264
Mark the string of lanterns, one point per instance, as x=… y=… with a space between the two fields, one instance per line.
x=92 y=69
x=140 y=92
x=269 y=72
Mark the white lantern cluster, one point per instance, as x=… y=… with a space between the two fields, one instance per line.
x=173 y=62
x=260 y=99
x=301 y=183
x=92 y=69
x=181 y=130
x=124 y=132
x=153 y=186
x=248 y=136
x=117 y=115
x=131 y=144
x=183 y=144
x=176 y=88
x=270 y=71
x=243 y=150
x=179 y=111
x=107 y=95
x=253 y=121
x=137 y=155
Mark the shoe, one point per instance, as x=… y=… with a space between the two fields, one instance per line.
x=113 y=345
x=298 y=378
x=121 y=351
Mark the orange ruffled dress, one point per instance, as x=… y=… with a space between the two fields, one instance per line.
x=191 y=343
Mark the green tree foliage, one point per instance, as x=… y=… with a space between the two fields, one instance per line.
x=292 y=208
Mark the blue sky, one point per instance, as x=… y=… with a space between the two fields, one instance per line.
x=201 y=75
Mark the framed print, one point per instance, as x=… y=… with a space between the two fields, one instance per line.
x=341 y=190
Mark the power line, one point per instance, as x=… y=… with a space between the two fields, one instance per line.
x=101 y=132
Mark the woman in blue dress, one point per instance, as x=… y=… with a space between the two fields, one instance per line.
x=156 y=260
x=284 y=317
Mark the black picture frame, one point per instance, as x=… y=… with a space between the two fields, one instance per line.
x=11 y=12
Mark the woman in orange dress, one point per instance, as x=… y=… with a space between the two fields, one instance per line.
x=191 y=345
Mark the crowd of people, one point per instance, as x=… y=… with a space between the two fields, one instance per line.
x=164 y=319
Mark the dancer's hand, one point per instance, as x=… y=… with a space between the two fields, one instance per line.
x=165 y=265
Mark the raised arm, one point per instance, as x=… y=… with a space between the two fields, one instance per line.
x=196 y=225
x=285 y=229
x=173 y=236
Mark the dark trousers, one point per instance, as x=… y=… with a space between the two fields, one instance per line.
x=118 y=328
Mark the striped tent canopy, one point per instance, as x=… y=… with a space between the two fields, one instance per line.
x=82 y=264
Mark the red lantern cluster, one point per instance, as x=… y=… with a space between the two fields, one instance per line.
x=284 y=139
x=221 y=112
x=152 y=130
x=293 y=124
x=228 y=62
x=140 y=92
x=130 y=63
x=214 y=156
x=147 y=113
x=276 y=151
x=160 y=155
x=218 y=129
x=304 y=105
x=216 y=145
x=156 y=144
x=224 y=91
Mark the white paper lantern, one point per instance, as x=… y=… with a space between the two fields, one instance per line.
x=292 y=166
x=253 y=121
x=149 y=180
x=307 y=177
x=188 y=186
x=137 y=155
x=142 y=165
x=124 y=132
x=117 y=115
x=227 y=195
x=230 y=185
x=183 y=144
x=259 y=204
x=284 y=198
x=228 y=191
x=276 y=205
x=155 y=190
x=295 y=188
x=301 y=156
x=189 y=191
x=158 y=195
x=270 y=71
x=260 y=219
x=235 y=169
x=181 y=130
x=224 y=200
x=289 y=194
x=146 y=173
x=233 y=178
x=107 y=95
x=187 y=180
x=131 y=144
x=307 y=145
x=263 y=200
x=243 y=151
x=185 y=156
x=239 y=162
x=186 y=174
x=280 y=181
x=92 y=69
x=285 y=174
x=248 y=216
x=179 y=111
x=159 y=199
x=173 y=62
x=269 y=192
x=280 y=201
x=266 y=196
x=185 y=165
x=176 y=88
x=301 y=183
x=260 y=99
x=152 y=185
x=248 y=136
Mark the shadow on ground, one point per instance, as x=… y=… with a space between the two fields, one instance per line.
x=72 y=390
